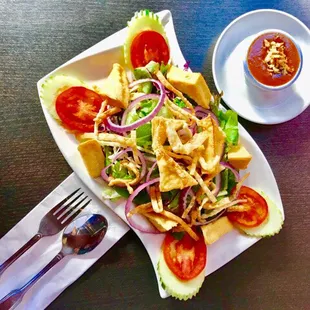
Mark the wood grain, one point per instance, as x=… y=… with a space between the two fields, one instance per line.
x=38 y=36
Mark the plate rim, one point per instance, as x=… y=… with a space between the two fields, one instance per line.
x=179 y=53
x=215 y=52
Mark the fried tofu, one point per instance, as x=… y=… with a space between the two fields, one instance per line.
x=190 y=83
x=116 y=87
x=92 y=156
x=239 y=157
x=160 y=222
x=215 y=230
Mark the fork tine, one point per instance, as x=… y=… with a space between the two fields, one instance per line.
x=60 y=204
x=76 y=213
x=70 y=208
x=66 y=208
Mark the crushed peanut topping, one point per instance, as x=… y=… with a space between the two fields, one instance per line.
x=276 y=59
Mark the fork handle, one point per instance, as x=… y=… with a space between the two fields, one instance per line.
x=11 y=300
x=20 y=252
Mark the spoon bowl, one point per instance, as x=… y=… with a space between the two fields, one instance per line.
x=84 y=234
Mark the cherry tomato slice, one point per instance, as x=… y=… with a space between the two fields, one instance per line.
x=146 y=46
x=77 y=107
x=257 y=213
x=186 y=258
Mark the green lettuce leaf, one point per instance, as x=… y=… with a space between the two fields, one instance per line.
x=179 y=102
x=228 y=122
x=144 y=135
x=143 y=73
x=120 y=172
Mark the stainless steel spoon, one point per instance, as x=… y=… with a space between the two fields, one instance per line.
x=80 y=237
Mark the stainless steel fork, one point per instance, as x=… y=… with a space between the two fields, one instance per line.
x=52 y=223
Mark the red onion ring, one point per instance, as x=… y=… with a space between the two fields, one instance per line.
x=148 y=176
x=144 y=120
x=104 y=175
x=147 y=227
x=134 y=103
x=202 y=113
x=232 y=169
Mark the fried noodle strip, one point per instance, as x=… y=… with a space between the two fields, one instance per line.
x=177 y=219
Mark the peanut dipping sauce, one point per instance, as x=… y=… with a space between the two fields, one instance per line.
x=265 y=72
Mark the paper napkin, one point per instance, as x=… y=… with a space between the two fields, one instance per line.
x=66 y=271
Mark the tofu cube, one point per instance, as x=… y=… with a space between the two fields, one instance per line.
x=239 y=157
x=160 y=222
x=215 y=230
x=92 y=156
x=190 y=83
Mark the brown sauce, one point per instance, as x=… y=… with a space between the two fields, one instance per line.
x=256 y=59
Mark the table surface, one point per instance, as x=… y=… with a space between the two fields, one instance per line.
x=38 y=36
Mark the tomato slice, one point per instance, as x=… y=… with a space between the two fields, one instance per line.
x=149 y=45
x=186 y=258
x=77 y=107
x=257 y=213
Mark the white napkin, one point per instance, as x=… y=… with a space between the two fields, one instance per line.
x=66 y=271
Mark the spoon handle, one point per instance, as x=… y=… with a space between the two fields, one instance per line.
x=20 y=252
x=11 y=300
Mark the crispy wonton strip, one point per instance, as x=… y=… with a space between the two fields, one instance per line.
x=179 y=112
x=154 y=199
x=121 y=182
x=141 y=209
x=219 y=209
x=189 y=208
x=159 y=199
x=110 y=137
x=178 y=147
x=177 y=219
x=178 y=156
x=163 y=80
x=97 y=119
x=238 y=186
x=204 y=187
x=238 y=208
x=133 y=136
x=218 y=204
x=145 y=150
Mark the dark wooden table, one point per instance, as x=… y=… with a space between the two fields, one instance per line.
x=38 y=36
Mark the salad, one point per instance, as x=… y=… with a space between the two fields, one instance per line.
x=155 y=134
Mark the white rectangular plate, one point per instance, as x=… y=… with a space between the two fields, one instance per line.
x=93 y=66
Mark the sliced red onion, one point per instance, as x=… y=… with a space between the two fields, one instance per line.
x=232 y=169
x=104 y=175
x=148 y=176
x=202 y=113
x=134 y=103
x=144 y=120
x=137 y=221
x=218 y=183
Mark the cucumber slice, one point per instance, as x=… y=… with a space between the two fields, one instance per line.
x=271 y=226
x=52 y=87
x=182 y=290
x=141 y=21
